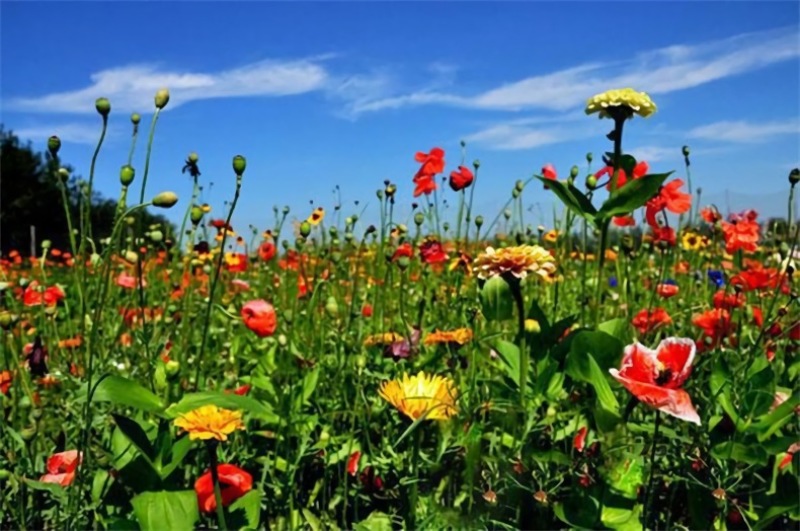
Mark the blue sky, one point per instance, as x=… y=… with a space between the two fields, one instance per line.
x=316 y=95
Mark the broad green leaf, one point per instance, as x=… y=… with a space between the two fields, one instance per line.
x=376 y=521
x=772 y=421
x=173 y=510
x=581 y=511
x=719 y=382
x=509 y=353
x=621 y=519
x=625 y=476
x=752 y=454
x=192 y=401
x=176 y=456
x=124 y=392
x=572 y=198
x=100 y=483
x=249 y=507
x=606 y=349
x=53 y=488
x=618 y=328
x=633 y=195
x=310 y=383
x=136 y=435
x=312 y=520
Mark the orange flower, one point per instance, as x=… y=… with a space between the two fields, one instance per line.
x=710 y=215
x=640 y=170
x=715 y=323
x=210 y=422
x=647 y=322
x=61 y=468
x=266 y=251
x=260 y=317
x=317 y=216
x=742 y=234
x=460 y=337
x=669 y=198
x=516 y=261
x=666 y=290
x=5 y=381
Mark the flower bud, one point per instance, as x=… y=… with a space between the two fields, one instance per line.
x=332 y=307
x=476 y=164
x=589 y=158
x=63 y=173
x=685 y=151
x=478 y=221
x=532 y=326
x=390 y=190
x=419 y=218
x=103 y=106
x=507 y=214
x=794 y=176
x=162 y=98
x=193 y=158
x=165 y=200
x=497 y=301
x=53 y=145
x=46 y=244
x=591 y=182
x=239 y=165
x=196 y=214
x=519 y=185
x=126 y=175
x=573 y=172
x=135 y=118
x=305 y=229
x=403 y=262
x=156 y=236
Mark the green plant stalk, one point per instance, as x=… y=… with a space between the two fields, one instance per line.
x=649 y=493
x=215 y=280
x=212 y=457
x=411 y=517
x=468 y=219
x=524 y=355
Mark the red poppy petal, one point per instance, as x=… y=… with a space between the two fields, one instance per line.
x=677 y=355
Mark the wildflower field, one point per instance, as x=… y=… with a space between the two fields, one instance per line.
x=633 y=365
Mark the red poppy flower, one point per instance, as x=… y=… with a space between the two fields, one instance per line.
x=667 y=290
x=461 y=179
x=242 y=390
x=233 y=481
x=729 y=301
x=366 y=311
x=710 y=215
x=742 y=234
x=425 y=184
x=5 y=381
x=640 y=170
x=645 y=323
x=757 y=278
x=432 y=252
x=664 y=234
x=352 y=463
x=655 y=377
x=32 y=296
x=219 y=224
x=669 y=198
x=266 y=251
x=124 y=280
x=236 y=262
x=432 y=163
x=579 y=440
x=549 y=172
x=715 y=323
x=259 y=316
x=624 y=221
x=403 y=250
x=61 y=468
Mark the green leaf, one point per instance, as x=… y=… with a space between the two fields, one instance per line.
x=618 y=328
x=192 y=401
x=177 y=454
x=771 y=422
x=136 y=435
x=53 y=488
x=310 y=383
x=173 y=510
x=621 y=519
x=752 y=454
x=124 y=392
x=719 y=382
x=625 y=476
x=633 y=195
x=572 y=198
x=248 y=509
x=509 y=353
x=312 y=520
x=376 y=521
x=581 y=511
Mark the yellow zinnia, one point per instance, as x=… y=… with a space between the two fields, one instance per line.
x=210 y=422
x=637 y=102
x=517 y=261
x=415 y=396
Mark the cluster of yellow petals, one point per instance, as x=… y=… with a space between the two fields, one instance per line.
x=387 y=338
x=691 y=241
x=519 y=261
x=460 y=336
x=210 y=422
x=638 y=102
x=422 y=394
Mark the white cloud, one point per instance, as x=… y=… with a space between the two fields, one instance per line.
x=745 y=132
x=657 y=71
x=76 y=133
x=656 y=153
x=131 y=88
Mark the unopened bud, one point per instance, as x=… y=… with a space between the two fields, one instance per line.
x=519 y=185
x=794 y=176
x=419 y=218
x=239 y=165
x=162 y=98
x=165 y=200
x=103 y=106
x=126 y=175
x=53 y=145
x=478 y=221
x=573 y=172
x=135 y=118
x=196 y=214
x=685 y=151
x=305 y=229
x=591 y=181
x=589 y=158
x=63 y=173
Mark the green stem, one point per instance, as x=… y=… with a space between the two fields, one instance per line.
x=212 y=457
x=649 y=493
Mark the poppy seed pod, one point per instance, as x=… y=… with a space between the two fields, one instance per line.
x=162 y=98
x=591 y=181
x=53 y=145
x=239 y=165
x=519 y=185
x=476 y=164
x=126 y=175
x=419 y=218
x=165 y=200
x=685 y=151
x=794 y=176
x=196 y=214
x=497 y=300
x=193 y=157
x=589 y=158
x=135 y=118
x=573 y=172
x=103 y=106
x=478 y=221
x=305 y=229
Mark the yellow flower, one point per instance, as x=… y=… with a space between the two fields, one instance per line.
x=317 y=216
x=415 y=396
x=691 y=241
x=210 y=422
x=386 y=338
x=518 y=261
x=638 y=102
x=460 y=336
x=551 y=236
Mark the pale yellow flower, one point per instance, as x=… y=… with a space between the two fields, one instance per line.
x=415 y=396
x=210 y=422
x=638 y=102
x=518 y=261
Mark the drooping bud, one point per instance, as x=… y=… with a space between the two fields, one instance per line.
x=103 y=106
x=239 y=165
x=165 y=200
x=573 y=172
x=162 y=98
x=126 y=175
x=685 y=151
x=53 y=145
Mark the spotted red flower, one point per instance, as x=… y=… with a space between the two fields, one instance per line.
x=655 y=377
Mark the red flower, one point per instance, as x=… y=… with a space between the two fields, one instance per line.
x=236 y=262
x=219 y=224
x=233 y=481
x=742 y=234
x=432 y=252
x=61 y=468
x=670 y=198
x=664 y=234
x=352 y=463
x=259 y=316
x=425 y=184
x=655 y=377
x=403 y=250
x=549 y=172
x=715 y=323
x=32 y=296
x=710 y=215
x=579 y=440
x=757 y=278
x=624 y=221
x=432 y=163
x=124 y=280
x=461 y=179
x=266 y=251
x=645 y=323
x=5 y=381
x=640 y=170
x=667 y=290
x=729 y=301
x=366 y=311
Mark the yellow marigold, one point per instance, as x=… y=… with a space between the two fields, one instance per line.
x=518 y=261
x=210 y=422
x=415 y=396
x=638 y=102
x=387 y=338
x=460 y=336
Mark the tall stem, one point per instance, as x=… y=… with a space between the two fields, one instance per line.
x=212 y=457
x=649 y=493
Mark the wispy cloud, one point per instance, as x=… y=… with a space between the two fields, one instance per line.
x=75 y=132
x=657 y=71
x=131 y=88
x=532 y=132
x=656 y=153
x=745 y=132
